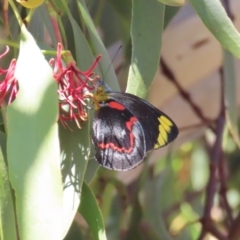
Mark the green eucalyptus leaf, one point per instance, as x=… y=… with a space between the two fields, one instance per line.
x=75 y=143
x=152 y=208
x=83 y=53
x=230 y=88
x=146 y=33
x=33 y=146
x=216 y=20
x=8 y=228
x=123 y=8
x=75 y=152
x=105 y=63
x=48 y=23
x=113 y=225
x=92 y=214
x=85 y=59
x=36 y=26
x=92 y=168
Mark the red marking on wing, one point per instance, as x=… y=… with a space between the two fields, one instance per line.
x=116 y=105
x=129 y=126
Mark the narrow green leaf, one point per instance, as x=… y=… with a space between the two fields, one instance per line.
x=105 y=63
x=48 y=23
x=36 y=26
x=91 y=213
x=146 y=33
x=84 y=60
x=230 y=88
x=84 y=55
x=152 y=208
x=33 y=146
x=118 y=29
x=61 y=6
x=91 y=169
x=8 y=227
x=75 y=152
x=135 y=220
x=113 y=223
x=93 y=165
x=74 y=232
x=75 y=144
x=123 y=8
x=216 y=20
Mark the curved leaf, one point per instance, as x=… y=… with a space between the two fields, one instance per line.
x=105 y=63
x=230 y=86
x=151 y=207
x=47 y=21
x=33 y=146
x=216 y=20
x=75 y=152
x=7 y=218
x=146 y=33
x=91 y=213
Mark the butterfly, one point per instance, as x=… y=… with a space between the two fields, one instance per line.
x=126 y=127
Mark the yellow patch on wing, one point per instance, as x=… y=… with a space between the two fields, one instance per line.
x=166 y=123
x=164 y=130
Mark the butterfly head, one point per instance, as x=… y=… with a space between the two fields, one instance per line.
x=101 y=93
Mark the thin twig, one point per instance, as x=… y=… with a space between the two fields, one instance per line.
x=223 y=190
x=215 y=156
x=184 y=94
x=234 y=231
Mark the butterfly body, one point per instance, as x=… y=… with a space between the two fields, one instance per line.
x=126 y=127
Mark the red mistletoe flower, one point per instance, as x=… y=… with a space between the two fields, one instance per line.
x=9 y=85
x=73 y=88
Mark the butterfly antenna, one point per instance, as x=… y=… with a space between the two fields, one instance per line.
x=119 y=48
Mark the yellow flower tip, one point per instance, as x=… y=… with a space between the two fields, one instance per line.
x=30 y=3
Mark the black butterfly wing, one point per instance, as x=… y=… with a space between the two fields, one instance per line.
x=158 y=128
x=118 y=138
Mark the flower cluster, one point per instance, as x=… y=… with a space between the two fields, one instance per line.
x=73 y=86
x=9 y=85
